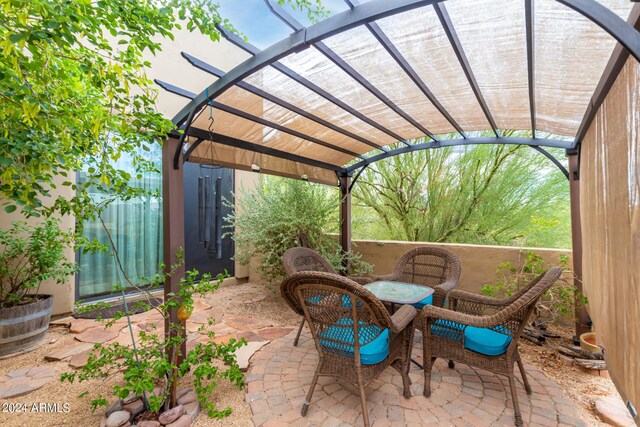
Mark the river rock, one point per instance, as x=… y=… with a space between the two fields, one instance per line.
x=171 y=415
x=118 y=419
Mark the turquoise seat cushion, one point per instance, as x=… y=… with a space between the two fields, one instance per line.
x=427 y=301
x=370 y=354
x=481 y=340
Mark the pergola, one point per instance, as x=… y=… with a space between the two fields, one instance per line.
x=388 y=77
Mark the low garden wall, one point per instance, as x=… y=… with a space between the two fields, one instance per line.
x=479 y=262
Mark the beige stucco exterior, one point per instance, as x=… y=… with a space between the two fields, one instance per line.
x=63 y=295
x=479 y=262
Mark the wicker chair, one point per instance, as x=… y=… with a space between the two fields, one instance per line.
x=428 y=266
x=333 y=305
x=482 y=331
x=300 y=259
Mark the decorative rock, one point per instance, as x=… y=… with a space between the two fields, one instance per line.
x=103 y=421
x=16 y=390
x=274 y=333
x=148 y=423
x=192 y=409
x=130 y=398
x=80 y=359
x=18 y=373
x=182 y=391
x=183 y=421
x=118 y=419
x=65 y=321
x=67 y=351
x=114 y=407
x=171 y=415
x=188 y=397
x=244 y=353
x=80 y=325
x=135 y=407
x=613 y=411
x=98 y=335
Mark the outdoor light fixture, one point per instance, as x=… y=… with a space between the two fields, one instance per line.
x=255 y=168
x=304 y=178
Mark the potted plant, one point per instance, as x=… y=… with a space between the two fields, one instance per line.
x=29 y=256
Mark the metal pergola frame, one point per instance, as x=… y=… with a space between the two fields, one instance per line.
x=626 y=34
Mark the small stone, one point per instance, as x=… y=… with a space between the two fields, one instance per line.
x=188 y=397
x=171 y=415
x=80 y=359
x=130 y=398
x=613 y=411
x=115 y=406
x=134 y=407
x=182 y=391
x=67 y=351
x=149 y=423
x=98 y=335
x=192 y=409
x=52 y=341
x=244 y=353
x=118 y=419
x=183 y=421
x=80 y=325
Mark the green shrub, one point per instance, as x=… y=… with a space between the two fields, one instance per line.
x=154 y=361
x=282 y=214
x=31 y=255
x=557 y=304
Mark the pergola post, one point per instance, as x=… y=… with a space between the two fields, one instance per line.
x=345 y=213
x=173 y=231
x=581 y=315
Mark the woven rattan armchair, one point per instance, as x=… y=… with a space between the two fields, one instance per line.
x=482 y=331
x=428 y=266
x=300 y=259
x=356 y=337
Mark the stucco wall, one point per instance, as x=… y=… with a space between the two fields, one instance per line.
x=244 y=181
x=63 y=295
x=479 y=262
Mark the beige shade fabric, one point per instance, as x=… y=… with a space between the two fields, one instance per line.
x=570 y=55
x=610 y=216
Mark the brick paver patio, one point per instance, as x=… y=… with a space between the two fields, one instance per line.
x=280 y=375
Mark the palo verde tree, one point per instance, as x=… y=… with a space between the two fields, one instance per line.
x=497 y=194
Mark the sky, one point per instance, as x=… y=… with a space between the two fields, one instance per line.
x=254 y=19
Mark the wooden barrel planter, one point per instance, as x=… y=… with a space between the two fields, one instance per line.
x=24 y=326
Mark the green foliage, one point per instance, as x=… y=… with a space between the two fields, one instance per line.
x=29 y=256
x=75 y=93
x=147 y=365
x=558 y=303
x=282 y=214
x=499 y=194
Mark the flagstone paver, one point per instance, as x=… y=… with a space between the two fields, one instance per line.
x=24 y=381
x=280 y=374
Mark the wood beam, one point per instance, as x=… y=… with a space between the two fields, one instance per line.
x=173 y=232
x=581 y=315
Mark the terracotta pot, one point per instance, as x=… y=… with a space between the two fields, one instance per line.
x=588 y=342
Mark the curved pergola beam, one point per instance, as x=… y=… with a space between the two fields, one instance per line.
x=534 y=142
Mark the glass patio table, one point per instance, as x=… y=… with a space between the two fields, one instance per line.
x=399 y=292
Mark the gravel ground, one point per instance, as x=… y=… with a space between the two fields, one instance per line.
x=261 y=302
